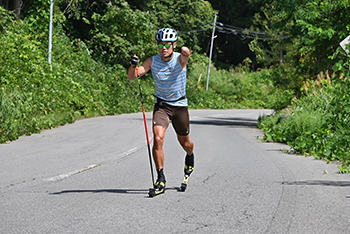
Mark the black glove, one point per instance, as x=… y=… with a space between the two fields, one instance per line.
x=135 y=60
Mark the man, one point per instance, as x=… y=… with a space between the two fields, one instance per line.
x=169 y=75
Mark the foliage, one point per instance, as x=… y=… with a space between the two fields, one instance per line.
x=237 y=88
x=35 y=95
x=342 y=64
x=192 y=19
x=92 y=45
x=114 y=32
x=115 y=29
x=321 y=32
x=230 y=48
x=117 y=33
x=314 y=30
x=37 y=15
x=319 y=124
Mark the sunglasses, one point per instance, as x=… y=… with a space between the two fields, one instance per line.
x=160 y=46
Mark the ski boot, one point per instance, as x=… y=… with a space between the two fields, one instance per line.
x=159 y=186
x=189 y=167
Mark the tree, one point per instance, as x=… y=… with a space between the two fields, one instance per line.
x=14 y=5
x=232 y=49
x=114 y=29
x=192 y=19
x=319 y=27
x=314 y=31
x=120 y=32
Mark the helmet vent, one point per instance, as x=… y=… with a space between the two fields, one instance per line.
x=166 y=34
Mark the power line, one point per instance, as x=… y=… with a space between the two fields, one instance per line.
x=245 y=33
x=195 y=30
x=237 y=31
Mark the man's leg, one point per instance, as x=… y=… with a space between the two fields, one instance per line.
x=160 y=124
x=186 y=143
x=188 y=146
x=158 y=141
x=158 y=156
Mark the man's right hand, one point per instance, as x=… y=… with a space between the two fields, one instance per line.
x=135 y=60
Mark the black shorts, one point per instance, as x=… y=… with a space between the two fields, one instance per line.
x=177 y=115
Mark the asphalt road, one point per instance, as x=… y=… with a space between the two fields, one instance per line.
x=93 y=176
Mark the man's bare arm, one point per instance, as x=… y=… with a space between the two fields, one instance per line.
x=134 y=72
x=185 y=56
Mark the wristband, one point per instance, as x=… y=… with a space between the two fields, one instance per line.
x=187 y=55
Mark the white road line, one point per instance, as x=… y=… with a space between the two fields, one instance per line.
x=133 y=150
x=69 y=174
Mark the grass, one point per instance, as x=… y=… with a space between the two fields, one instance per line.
x=318 y=124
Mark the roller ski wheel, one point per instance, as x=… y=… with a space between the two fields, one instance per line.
x=158 y=188
x=184 y=183
x=152 y=192
x=188 y=170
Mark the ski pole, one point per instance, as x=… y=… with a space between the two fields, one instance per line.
x=146 y=130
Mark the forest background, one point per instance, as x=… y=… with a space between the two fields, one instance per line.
x=283 y=55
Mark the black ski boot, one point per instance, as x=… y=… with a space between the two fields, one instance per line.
x=189 y=167
x=159 y=186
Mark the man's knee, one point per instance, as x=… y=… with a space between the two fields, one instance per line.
x=188 y=145
x=158 y=141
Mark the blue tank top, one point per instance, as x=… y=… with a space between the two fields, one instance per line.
x=169 y=80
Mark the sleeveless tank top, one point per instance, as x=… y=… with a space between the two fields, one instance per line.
x=169 y=80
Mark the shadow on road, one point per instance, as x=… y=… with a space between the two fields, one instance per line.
x=120 y=191
x=320 y=182
x=245 y=122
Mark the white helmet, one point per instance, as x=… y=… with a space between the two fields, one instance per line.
x=166 y=34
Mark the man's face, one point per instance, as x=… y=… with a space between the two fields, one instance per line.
x=166 y=48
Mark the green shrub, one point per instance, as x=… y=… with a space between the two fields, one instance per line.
x=36 y=95
x=319 y=125
x=238 y=88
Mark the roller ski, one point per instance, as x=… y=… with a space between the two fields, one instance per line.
x=159 y=186
x=189 y=167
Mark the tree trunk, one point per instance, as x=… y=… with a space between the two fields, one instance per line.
x=14 y=5
x=5 y=4
x=17 y=5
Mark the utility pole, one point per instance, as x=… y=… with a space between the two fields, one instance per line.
x=211 y=51
x=50 y=31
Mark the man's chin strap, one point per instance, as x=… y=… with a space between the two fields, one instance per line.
x=171 y=55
